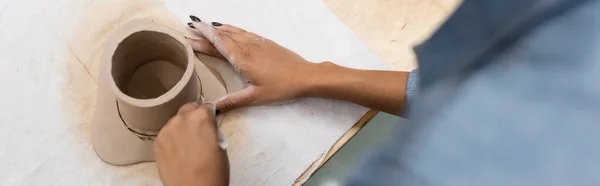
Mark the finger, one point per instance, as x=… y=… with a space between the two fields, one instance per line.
x=228 y=28
x=205 y=113
x=242 y=98
x=220 y=39
x=207 y=110
x=209 y=106
x=252 y=35
x=220 y=137
x=187 y=107
x=204 y=46
x=194 y=34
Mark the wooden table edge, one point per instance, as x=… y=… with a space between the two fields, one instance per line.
x=338 y=145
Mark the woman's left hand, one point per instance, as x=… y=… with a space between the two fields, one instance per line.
x=274 y=73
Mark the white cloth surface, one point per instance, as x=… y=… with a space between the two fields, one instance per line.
x=49 y=54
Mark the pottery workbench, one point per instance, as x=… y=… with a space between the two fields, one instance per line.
x=50 y=53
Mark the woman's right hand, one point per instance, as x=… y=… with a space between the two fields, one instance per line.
x=274 y=73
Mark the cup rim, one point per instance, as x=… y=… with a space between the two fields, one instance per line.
x=139 y=26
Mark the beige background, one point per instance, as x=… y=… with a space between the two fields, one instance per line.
x=391 y=27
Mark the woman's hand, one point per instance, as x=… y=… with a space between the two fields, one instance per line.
x=274 y=73
x=187 y=149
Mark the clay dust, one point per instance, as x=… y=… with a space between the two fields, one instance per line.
x=81 y=70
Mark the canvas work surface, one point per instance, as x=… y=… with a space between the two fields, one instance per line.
x=51 y=53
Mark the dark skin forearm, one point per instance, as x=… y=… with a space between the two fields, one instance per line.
x=379 y=90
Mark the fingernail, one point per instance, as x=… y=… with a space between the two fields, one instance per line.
x=191 y=25
x=217 y=112
x=195 y=19
x=216 y=24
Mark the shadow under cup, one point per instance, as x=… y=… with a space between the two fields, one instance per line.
x=154 y=76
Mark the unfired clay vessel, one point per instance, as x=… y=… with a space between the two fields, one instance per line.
x=147 y=73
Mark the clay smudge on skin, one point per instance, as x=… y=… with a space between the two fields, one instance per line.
x=261 y=39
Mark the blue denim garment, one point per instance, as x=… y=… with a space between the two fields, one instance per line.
x=411 y=86
x=509 y=94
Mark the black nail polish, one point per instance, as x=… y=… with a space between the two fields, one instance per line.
x=191 y=25
x=216 y=24
x=217 y=112
x=195 y=19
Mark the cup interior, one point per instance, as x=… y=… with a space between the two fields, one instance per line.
x=147 y=64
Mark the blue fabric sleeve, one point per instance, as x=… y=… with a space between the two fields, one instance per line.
x=527 y=116
x=411 y=86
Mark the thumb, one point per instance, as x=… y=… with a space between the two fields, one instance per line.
x=210 y=108
x=242 y=98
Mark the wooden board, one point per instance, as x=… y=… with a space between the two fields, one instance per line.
x=391 y=27
x=339 y=144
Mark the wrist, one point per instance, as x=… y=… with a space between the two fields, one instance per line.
x=321 y=76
